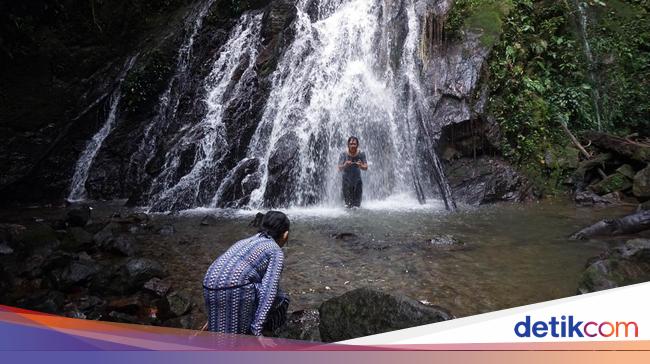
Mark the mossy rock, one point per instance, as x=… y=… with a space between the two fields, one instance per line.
x=612 y=183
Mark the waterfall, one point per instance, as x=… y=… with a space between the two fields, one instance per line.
x=85 y=161
x=170 y=99
x=583 y=22
x=336 y=80
x=351 y=68
x=221 y=88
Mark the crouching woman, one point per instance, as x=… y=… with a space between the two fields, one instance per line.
x=241 y=288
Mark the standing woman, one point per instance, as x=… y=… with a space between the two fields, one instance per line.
x=241 y=288
x=351 y=163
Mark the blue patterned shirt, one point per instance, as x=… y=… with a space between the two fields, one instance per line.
x=256 y=260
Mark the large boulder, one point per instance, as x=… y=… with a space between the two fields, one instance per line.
x=140 y=270
x=282 y=171
x=366 y=311
x=486 y=180
x=624 y=265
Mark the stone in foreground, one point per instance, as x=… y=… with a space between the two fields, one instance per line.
x=366 y=311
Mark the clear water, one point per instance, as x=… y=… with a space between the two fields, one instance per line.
x=512 y=255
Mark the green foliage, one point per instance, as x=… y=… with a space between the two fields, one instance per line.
x=484 y=16
x=538 y=80
x=540 y=77
x=620 y=40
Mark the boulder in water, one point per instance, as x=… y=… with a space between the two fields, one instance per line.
x=486 y=180
x=588 y=198
x=366 y=311
x=625 y=265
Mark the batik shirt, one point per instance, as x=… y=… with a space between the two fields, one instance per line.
x=257 y=260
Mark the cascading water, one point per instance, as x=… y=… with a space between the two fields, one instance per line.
x=170 y=99
x=337 y=80
x=85 y=161
x=583 y=22
x=351 y=68
x=209 y=134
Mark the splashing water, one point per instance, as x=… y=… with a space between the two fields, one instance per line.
x=337 y=80
x=209 y=133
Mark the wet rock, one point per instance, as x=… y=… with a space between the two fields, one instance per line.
x=486 y=180
x=301 y=325
x=140 y=270
x=108 y=232
x=166 y=229
x=367 y=311
x=78 y=272
x=596 y=278
x=232 y=192
x=209 y=220
x=282 y=167
x=179 y=303
x=123 y=244
x=158 y=286
x=79 y=216
x=629 y=224
x=641 y=187
x=638 y=249
x=625 y=265
x=588 y=198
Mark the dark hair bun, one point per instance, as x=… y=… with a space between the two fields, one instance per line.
x=274 y=224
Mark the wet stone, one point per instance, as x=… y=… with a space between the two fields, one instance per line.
x=158 y=286
x=140 y=270
x=179 y=303
x=367 y=311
